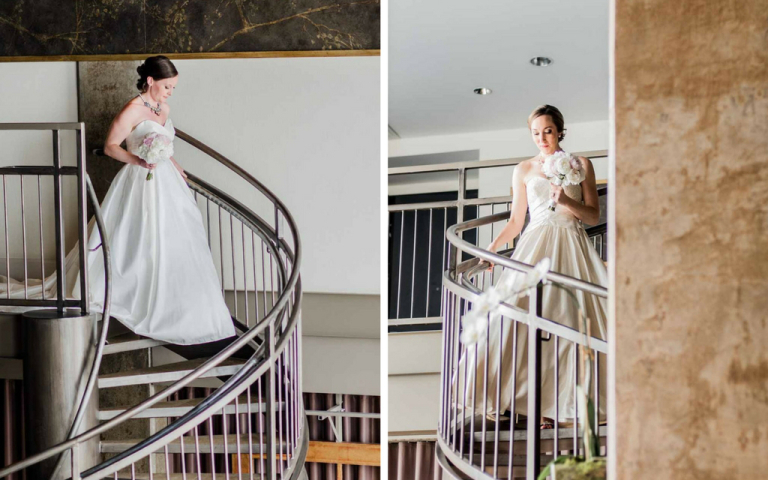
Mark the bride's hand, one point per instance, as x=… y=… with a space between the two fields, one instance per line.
x=557 y=194
x=143 y=164
x=490 y=248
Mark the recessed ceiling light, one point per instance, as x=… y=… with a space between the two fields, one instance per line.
x=541 y=61
x=483 y=91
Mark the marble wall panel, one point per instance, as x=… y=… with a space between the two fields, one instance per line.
x=111 y=27
x=691 y=259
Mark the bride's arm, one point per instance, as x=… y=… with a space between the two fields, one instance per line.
x=517 y=215
x=178 y=167
x=118 y=131
x=589 y=211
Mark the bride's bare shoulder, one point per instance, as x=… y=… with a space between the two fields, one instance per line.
x=525 y=166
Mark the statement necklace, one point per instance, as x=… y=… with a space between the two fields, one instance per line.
x=146 y=104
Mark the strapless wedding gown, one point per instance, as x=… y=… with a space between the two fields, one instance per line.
x=164 y=282
x=559 y=236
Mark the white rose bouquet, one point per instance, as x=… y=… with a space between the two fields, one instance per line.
x=562 y=169
x=155 y=147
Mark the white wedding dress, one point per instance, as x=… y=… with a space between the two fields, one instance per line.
x=164 y=282
x=559 y=236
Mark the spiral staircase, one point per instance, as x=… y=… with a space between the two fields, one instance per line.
x=248 y=420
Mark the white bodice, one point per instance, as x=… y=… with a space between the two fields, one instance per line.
x=133 y=140
x=537 y=191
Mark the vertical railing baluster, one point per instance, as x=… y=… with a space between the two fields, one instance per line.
x=413 y=264
x=280 y=408
x=575 y=398
x=485 y=391
x=167 y=463
x=210 y=445
x=264 y=277
x=270 y=420
x=237 y=436
x=245 y=277
x=443 y=256
x=183 y=460
x=197 y=452
x=7 y=250
x=75 y=459
x=255 y=279
x=82 y=223
x=513 y=406
x=250 y=430
x=225 y=432
x=23 y=238
x=59 y=216
x=221 y=255
x=234 y=268
x=499 y=374
x=597 y=397
x=429 y=262
x=443 y=371
x=557 y=394
x=261 y=428
x=400 y=264
x=40 y=220
x=533 y=460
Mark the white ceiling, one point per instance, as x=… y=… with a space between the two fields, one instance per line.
x=441 y=50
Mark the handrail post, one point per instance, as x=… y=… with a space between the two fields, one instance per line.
x=75 y=461
x=270 y=420
x=82 y=233
x=533 y=460
x=59 y=222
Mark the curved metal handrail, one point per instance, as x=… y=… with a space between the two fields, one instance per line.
x=462 y=288
x=288 y=298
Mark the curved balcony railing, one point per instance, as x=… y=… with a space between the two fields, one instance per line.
x=262 y=425
x=513 y=445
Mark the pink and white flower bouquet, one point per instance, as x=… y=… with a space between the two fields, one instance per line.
x=155 y=147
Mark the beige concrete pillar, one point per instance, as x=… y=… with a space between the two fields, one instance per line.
x=691 y=257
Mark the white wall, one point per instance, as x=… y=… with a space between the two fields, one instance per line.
x=414 y=381
x=308 y=128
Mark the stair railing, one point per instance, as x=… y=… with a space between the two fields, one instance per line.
x=270 y=379
x=468 y=443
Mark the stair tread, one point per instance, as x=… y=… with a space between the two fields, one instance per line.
x=168 y=373
x=117 y=446
x=129 y=341
x=179 y=476
x=172 y=367
x=179 y=407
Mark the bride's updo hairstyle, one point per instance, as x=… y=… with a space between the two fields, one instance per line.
x=158 y=67
x=554 y=114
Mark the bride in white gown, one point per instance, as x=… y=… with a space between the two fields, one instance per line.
x=164 y=282
x=560 y=236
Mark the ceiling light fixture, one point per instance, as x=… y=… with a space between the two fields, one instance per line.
x=541 y=61
x=483 y=91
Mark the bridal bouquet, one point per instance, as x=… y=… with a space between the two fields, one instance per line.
x=562 y=169
x=155 y=147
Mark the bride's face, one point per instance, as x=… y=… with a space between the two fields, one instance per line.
x=160 y=90
x=544 y=133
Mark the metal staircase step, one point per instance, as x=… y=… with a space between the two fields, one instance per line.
x=167 y=373
x=178 y=408
x=118 y=446
x=128 y=342
x=179 y=476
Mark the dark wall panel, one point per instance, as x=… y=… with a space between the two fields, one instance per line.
x=113 y=27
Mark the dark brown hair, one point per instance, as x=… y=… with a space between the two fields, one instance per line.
x=158 y=67
x=554 y=114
